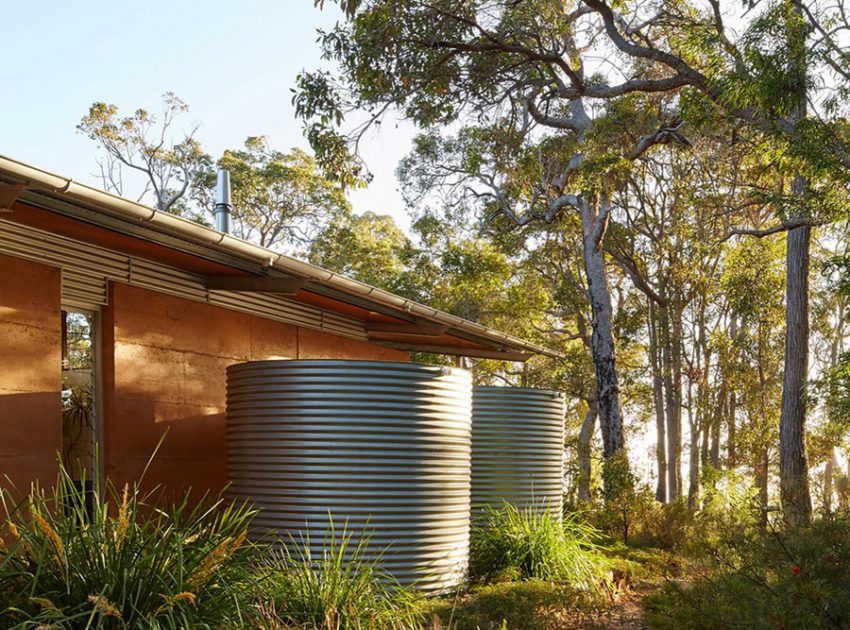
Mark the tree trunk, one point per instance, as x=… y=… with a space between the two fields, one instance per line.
x=584 y=438
x=594 y=223
x=672 y=361
x=843 y=487
x=694 y=449
x=658 y=398
x=721 y=410
x=793 y=469
x=733 y=405
x=760 y=470
x=828 y=474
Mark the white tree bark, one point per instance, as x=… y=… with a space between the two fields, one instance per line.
x=594 y=221
x=584 y=438
x=658 y=399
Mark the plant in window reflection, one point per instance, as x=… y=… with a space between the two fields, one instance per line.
x=77 y=415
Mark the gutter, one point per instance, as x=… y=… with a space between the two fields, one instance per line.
x=45 y=181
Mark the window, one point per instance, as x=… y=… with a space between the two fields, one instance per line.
x=79 y=397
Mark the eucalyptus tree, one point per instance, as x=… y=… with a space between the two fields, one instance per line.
x=784 y=75
x=666 y=237
x=369 y=247
x=753 y=281
x=517 y=71
x=148 y=146
x=280 y=200
x=829 y=330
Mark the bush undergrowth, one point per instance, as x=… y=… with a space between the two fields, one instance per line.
x=534 y=543
x=342 y=589
x=123 y=564
x=755 y=577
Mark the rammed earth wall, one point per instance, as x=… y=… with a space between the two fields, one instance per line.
x=163 y=363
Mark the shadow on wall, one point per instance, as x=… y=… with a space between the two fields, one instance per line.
x=30 y=440
x=189 y=444
x=191 y=452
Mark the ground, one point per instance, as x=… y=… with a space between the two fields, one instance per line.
x=535 y=605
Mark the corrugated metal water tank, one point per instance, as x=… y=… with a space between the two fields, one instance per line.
x=517 y=448
x=381 y=445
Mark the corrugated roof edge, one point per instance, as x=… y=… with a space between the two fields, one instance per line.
x=45 y=181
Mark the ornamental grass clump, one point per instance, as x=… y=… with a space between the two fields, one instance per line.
x=122 y=563
x=342 y=588
x=533 y=543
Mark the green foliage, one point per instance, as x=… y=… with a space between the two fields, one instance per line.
x=342 y=589
x=125 y=565
x=535 y=543
x=728 y=500
x=656 y=525
x=526 y=605
x=836 y=386
x=280 y=200
x=764 y=578
x=753 y=282
x=368 y=247
x=142 y=144
x=620 y=494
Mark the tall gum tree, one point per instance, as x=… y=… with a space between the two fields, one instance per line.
x=521 y=66
x=665 y=237
x=765 y=78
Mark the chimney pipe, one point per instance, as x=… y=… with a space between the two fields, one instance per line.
x=222 y=201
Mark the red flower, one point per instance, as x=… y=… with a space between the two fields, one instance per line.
x=796 y=570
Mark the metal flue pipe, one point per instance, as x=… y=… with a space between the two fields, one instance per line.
x=222 y=201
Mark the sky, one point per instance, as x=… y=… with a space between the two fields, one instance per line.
x=232 y=63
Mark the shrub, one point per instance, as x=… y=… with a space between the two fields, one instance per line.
x=637 y=519
x=122 y=563
x=526 y=605
x=535 y=543
x=342 y=589
x=764 y=578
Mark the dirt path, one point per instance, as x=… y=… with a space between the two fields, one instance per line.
x=545 y=606
x=625 y=613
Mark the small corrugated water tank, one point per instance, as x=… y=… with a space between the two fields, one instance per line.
x=384 y=446
x=517 y=448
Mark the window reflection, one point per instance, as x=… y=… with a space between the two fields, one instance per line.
x=78 y=388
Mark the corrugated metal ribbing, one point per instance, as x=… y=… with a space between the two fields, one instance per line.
x=86 y=269
x=79 y=258
x=164 y=279
x=517 y=447
x=270 y=306
x=80 y=289
x=342 y=325
x=384 y=446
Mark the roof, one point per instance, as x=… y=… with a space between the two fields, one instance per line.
x=60 y=204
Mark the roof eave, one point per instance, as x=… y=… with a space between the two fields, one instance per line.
x=252 y=258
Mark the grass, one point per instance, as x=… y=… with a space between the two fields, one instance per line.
x=533 y=543
x=126 y=564
x=342 y=589
x=129 y=564
x=526 y=605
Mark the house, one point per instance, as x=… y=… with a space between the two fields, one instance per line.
x=117 y=322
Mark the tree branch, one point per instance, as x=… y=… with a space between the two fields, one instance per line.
x=782 y=227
